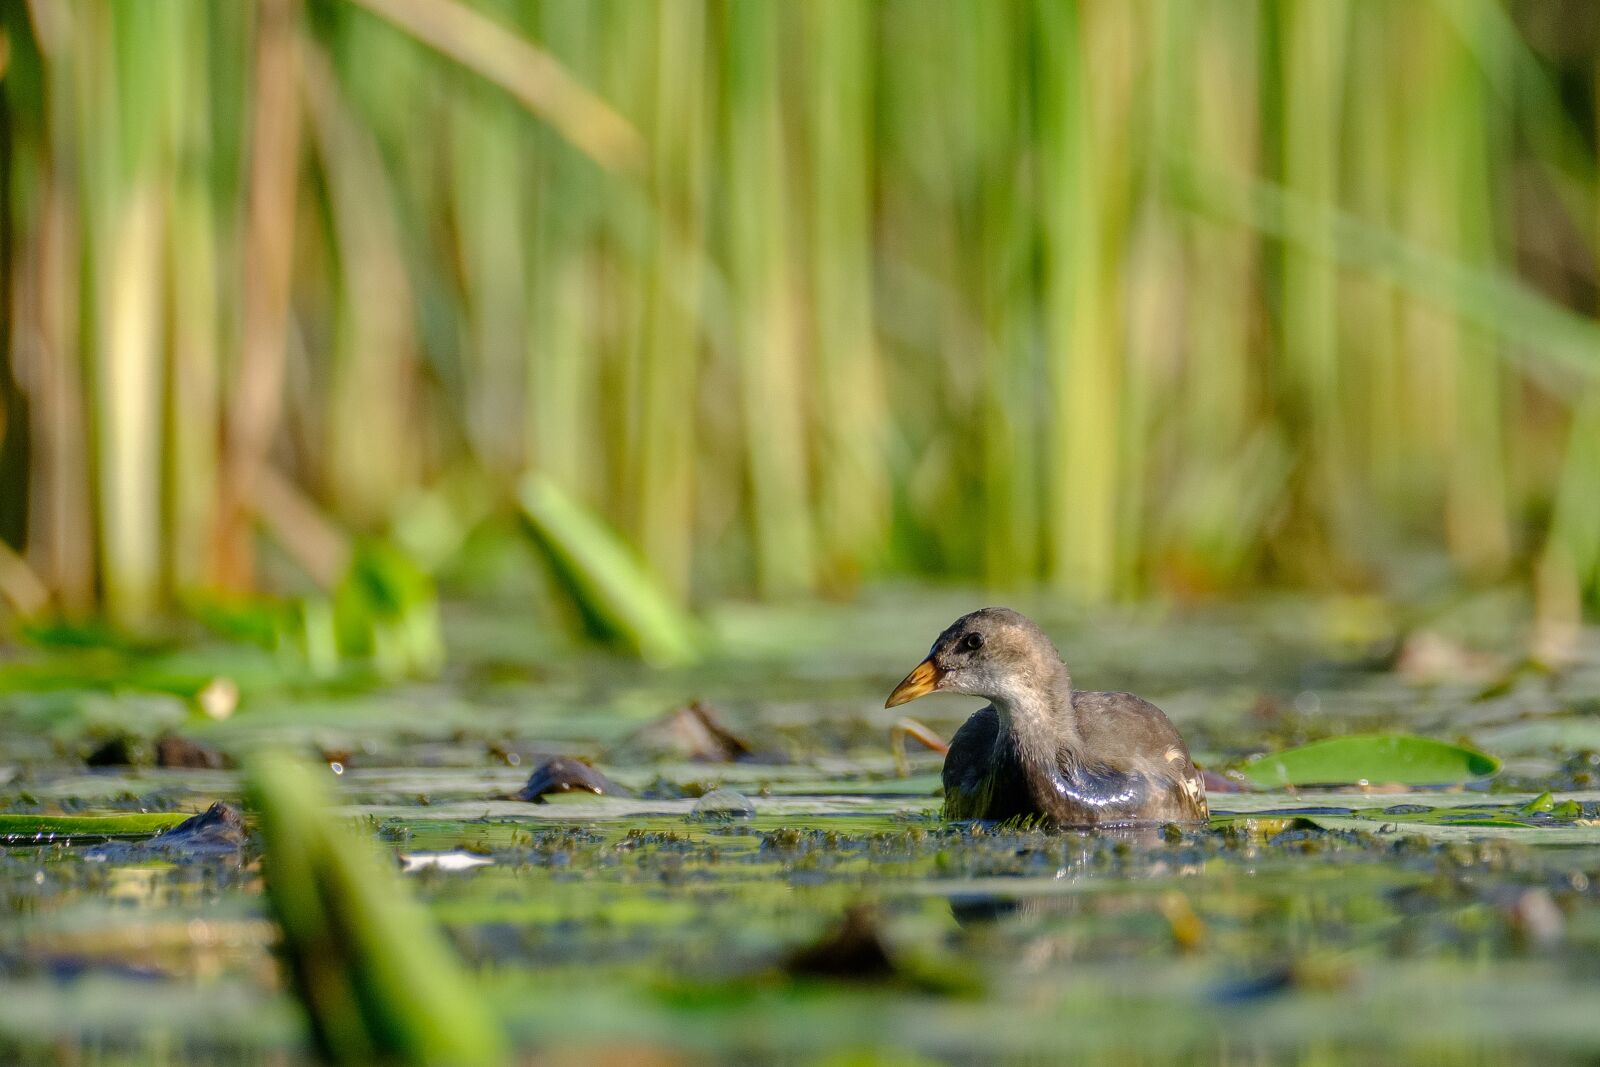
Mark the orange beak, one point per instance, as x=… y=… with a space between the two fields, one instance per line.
x=923 y=680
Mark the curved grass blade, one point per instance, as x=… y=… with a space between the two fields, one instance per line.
x=378 y=981
x=528 y=73
x=620 y=600
x=1492 y=299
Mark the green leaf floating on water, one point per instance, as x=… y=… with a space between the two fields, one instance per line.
x=1374 y=758
x=620 y=600
x=376 y=977
x=1543 y=802
x=17 y=828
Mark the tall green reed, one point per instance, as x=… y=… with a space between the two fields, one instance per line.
x=758 y=234
x=1165 y=297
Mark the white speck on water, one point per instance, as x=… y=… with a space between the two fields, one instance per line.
x=442 y=861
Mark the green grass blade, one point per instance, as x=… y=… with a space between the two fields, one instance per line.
x=375 y=976
x=1562 y=343
x=528 y=73
x=852 y=485
x=619 y=599
x=771 y=365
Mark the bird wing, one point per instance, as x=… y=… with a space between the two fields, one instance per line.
x=1124 y=731
x=1131 y=736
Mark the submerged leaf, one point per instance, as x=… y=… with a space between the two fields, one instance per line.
x=1371 y=758
x=618 y=597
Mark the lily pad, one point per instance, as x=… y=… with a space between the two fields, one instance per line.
x=1371 y=758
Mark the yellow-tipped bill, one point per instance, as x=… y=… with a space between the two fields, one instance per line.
x=920 y=682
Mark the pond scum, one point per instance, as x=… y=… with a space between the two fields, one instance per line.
x=832 y=917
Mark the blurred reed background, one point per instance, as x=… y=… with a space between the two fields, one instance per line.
x=1162 y=297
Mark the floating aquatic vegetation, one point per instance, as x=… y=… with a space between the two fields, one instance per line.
x=605 y=923
x=1371 y=759
x=38 y=829
x=217 y=831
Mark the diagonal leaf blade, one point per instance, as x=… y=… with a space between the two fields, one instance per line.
x=621 y=601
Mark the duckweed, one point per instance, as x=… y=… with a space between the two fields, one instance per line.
x=1342 y=926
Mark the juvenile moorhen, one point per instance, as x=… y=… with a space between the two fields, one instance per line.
x=1042 y=749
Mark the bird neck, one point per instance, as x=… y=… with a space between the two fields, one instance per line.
x=1036 y=717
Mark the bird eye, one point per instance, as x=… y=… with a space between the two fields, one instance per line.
x=972 y=642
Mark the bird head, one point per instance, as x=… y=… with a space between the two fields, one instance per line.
x=994 y=653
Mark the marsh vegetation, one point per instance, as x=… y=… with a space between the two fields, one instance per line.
x=427 y=388
x=1452 y=924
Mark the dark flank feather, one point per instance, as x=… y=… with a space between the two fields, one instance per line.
x=984 y=777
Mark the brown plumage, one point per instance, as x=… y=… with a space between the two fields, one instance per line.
x=1043 y=750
